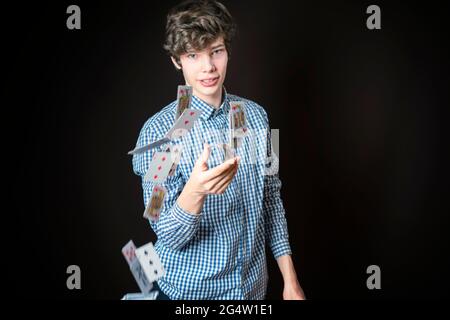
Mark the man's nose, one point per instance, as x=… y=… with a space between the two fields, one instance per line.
x=208 y=64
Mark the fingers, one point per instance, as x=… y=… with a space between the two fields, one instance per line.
x=205 y=154
x=221 y=187
x=223 y=177
x=202 y=161
x=221 y=169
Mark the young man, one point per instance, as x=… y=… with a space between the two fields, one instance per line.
x=217 y=215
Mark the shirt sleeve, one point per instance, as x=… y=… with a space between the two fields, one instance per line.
x=175 y=227
x=274 y=214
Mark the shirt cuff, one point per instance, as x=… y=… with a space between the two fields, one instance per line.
x=183 y=216
x=281 y=248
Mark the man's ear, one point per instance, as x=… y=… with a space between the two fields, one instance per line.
x=175 y=63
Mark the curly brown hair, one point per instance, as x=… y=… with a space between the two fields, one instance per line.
x=195 y=24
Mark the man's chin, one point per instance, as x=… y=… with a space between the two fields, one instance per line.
x=204 y=92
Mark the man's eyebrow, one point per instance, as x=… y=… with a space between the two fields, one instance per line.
x=212 y=48
x=217 y=46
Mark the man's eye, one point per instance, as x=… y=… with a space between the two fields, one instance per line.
x=218 y=51
x=192 y=55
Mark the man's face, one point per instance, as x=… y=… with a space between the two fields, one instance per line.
x=205 y=70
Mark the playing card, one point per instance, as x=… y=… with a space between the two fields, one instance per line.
x=150 y=262
x=175 y=154
x=237 y=119
x=184 y=97
x=142 y=279
x=149 y=146
x=236 y=142
x=184 y=123
x=159 y=167
x=128 y=252
x=141 y=296
x=154 y=206
x=227 y=150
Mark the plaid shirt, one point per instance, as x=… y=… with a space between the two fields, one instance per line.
x=219 y=253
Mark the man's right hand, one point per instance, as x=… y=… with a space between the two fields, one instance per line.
x=204 y=181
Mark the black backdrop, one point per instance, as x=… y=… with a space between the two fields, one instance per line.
x=362 y=119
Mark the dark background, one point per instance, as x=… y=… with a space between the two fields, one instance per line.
x=363 y=129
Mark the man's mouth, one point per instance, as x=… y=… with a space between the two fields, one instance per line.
x=209 y=82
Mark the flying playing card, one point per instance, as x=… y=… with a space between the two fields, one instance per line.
x=236 y=142
x=149 y=146
x=141 y=296
x=227 y=150
x=154 y=206
x=175 y=154
x=150 y=262
x=184 y=97
x=141 y=277
x=159 y=167
x=237 y=120
x=184 y=123
x=128 y=252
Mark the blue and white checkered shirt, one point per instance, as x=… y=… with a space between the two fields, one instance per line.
x=220 y=253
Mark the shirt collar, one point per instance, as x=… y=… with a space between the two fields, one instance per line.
x=209 y=110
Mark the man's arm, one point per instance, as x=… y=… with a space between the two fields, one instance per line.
x=277 y=231
x=175 y=227
x=292 y=289
x=183 y=204
x=276 y=228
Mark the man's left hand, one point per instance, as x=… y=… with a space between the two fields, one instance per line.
x=293 y=291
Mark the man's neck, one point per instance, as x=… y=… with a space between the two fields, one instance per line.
x=215 y=101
